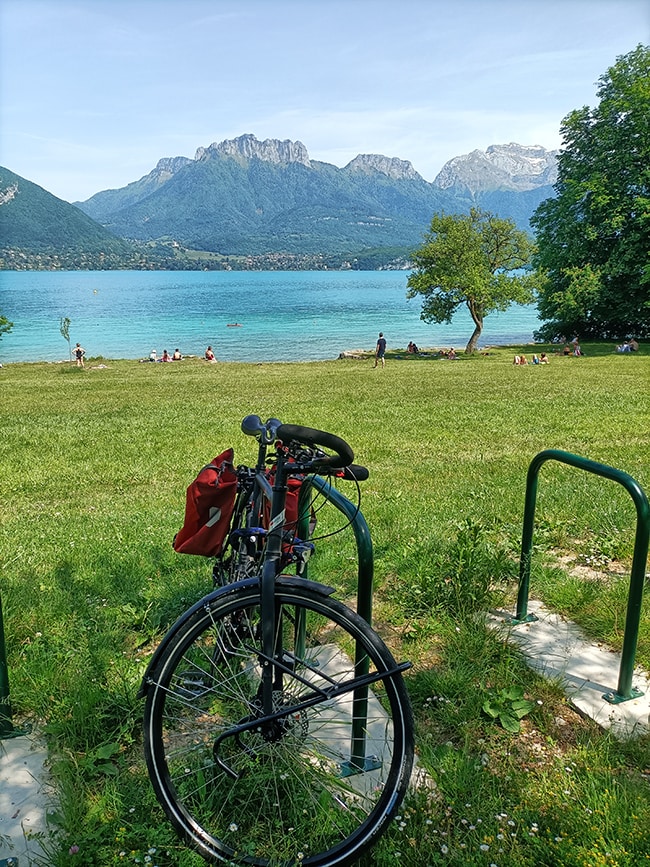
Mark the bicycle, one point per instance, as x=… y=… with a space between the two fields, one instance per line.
x=277 y=726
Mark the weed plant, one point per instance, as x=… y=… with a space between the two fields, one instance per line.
x=95 y=463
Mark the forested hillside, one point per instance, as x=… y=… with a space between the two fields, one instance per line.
x=250 y=204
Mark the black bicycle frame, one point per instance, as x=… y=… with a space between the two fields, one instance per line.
x=271 y=622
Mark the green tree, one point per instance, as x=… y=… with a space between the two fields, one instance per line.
x=593 y=238
x=5 y=325
x=470 y=259
x=64 y=328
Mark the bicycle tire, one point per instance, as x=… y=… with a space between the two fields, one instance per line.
x=290 y=802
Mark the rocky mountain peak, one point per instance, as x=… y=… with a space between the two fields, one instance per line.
x=501 y=167
x=168 y=166
x=246 y=147
x=393 y=167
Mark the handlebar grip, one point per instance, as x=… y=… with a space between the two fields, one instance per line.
x=344 y=454
x=355 y=473
x=252 y=426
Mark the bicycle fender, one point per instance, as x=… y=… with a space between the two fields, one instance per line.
x=297 y=581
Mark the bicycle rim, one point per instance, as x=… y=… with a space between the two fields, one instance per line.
x=293 y=788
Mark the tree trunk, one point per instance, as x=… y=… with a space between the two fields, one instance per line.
x=478 y=327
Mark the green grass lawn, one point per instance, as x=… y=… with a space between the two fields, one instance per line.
x=95 y=463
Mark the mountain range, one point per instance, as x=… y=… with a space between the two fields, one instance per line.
x=249 y=198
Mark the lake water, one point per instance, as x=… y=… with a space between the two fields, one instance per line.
x=284 y=316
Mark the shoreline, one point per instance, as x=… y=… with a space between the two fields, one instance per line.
x=399 y=353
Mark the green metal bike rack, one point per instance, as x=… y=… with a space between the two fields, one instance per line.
x=359 y=761
x=6 y=728
x=624 y=690
x=359 y=528
x=5 y=707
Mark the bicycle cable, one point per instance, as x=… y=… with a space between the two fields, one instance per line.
x=321 y=505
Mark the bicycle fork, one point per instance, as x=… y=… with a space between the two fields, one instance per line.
x=271 y=613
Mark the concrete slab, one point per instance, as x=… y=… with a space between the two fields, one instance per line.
x=587 y=671
x=26 y=794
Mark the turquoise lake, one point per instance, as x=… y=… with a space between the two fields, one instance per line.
x=282 y=316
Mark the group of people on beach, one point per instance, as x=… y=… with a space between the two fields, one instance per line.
x=573 y=348
x=175 y=356
x=536 y=359
x=380 y=351
x=631 y=345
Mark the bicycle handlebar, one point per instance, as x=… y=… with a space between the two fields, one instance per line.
x=267 y=432
x=344 y=454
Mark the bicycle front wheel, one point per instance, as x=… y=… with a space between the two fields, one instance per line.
x=313 y=782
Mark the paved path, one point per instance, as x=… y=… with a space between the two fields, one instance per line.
x=25 y=795
x=588 y=671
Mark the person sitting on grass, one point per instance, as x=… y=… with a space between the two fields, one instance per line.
x=543 y=359
x=209 y=354
x=177 y=355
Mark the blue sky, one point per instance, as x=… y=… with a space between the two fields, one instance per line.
x=94 y=92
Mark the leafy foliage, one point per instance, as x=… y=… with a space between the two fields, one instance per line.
x=468 y=259
x=594 y=236
x=5 y=325
x=509 y=706
x=64 y=328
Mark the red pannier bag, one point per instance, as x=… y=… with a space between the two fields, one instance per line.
x=209 y=504
x=291 y=517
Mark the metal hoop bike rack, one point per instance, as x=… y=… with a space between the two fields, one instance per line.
x=624 y=691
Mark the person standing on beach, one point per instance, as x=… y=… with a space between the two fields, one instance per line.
x=79 y=353
x=380 y=351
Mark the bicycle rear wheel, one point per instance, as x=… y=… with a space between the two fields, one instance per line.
x=314 y=783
